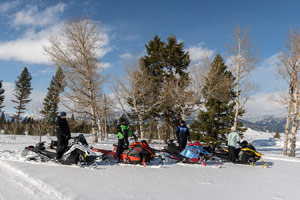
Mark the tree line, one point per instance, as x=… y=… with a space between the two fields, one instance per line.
x=157 y=89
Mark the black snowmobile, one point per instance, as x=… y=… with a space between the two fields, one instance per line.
x=76 y=153
x=172 y=151
x=246 y=154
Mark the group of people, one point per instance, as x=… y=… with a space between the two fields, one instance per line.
x=182 y=134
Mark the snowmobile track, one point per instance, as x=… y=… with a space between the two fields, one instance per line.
x=33 y=186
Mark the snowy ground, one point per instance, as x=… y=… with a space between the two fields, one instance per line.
x=31 y=180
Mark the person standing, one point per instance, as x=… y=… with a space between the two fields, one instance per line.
x=233 y=139
x=123 y=133
x=63 y=134
x=182 y=134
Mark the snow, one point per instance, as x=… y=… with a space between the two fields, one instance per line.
x=20 y=179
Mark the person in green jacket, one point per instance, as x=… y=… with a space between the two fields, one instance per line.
x=233 y=139
x=123 y=133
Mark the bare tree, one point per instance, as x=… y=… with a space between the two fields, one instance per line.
x=132 y=93
x=75 y=51
x=289 y=69
x=187 y=94
x=241 y=63
x=106 y=103
x=40 y=125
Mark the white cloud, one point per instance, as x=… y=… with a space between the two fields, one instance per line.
x=44 y=71
x=39 y=26
x=271 y=62
x=103 y=45
x=198 y=52
x=36 y=96
x=262 y=105
x=103 y=65
x=31 y=16
x=126 y=56
x=4 y=7
x=29 y=48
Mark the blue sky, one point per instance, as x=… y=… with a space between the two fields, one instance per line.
x=129 y=25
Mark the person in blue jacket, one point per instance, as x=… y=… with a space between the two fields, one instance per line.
x=182 y=134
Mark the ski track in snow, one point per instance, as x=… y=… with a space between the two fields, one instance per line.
x=19 y=185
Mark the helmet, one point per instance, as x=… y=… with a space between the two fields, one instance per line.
x=121 y=120
x=244 y=142
x=182 y=122
x=62 y=114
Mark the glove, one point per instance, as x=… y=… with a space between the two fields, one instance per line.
x=68 y=137
x=126 y=144
x=134 y=136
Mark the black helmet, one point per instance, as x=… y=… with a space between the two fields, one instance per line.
x=121 y=120
x=182 y=122
x=244 y=142
x=62 y=114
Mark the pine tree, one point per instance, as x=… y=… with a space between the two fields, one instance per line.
x=51 y=101
x=176 y=64
x=22 y=93
x=2 y=121
x=277 y=135
x=1 y=96
x=166 y=63
x=218 y=92
x=73 y=124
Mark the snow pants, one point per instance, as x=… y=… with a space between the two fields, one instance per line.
x=62 y=144
x=231 y=154
x=120 y=148
x=182 y=143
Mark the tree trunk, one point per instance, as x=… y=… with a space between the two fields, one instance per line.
x=105 y=129
x=183 y=113
x=16 y=126
x=140 y=117
x=237 y=100
x=295 y=124
x=94 y=126
x=100 y=129
x=287 y=125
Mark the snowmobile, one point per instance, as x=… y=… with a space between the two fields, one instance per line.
x=193 y=153
x=136 y=153
x=246 y=154
x=76 y=153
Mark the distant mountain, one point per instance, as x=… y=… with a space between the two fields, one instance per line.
x=266 y=123
x=9 y=115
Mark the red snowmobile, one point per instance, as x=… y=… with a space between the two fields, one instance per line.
x=136 y=153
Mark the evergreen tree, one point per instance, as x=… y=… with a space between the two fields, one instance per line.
x=51 y=101
x=177 y=62
x=73 y=124
x=22 y=92
x=166 y=63
x=1 y=96
x=2 y=121
x=277 y=135
x=218 y=92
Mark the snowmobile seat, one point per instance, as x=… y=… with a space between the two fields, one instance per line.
x=41 y=146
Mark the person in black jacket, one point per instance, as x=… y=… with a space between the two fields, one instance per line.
x=183 y=134
x=63 y=134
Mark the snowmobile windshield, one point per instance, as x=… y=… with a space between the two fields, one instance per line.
x=80 y=139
